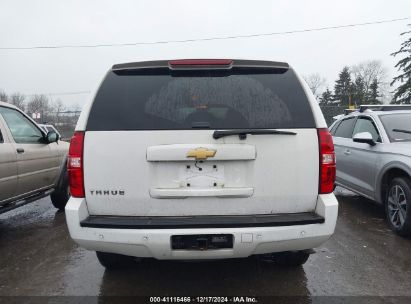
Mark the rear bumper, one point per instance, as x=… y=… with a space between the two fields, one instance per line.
x=194 y=222
x=135 y=237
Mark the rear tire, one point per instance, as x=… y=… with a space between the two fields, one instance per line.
x=398 y=205
x=288 y=258
x=61 y=194
x=114 y=261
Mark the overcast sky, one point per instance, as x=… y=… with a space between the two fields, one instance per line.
x=50 y=22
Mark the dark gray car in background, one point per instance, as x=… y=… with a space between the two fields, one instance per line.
x=373 y=152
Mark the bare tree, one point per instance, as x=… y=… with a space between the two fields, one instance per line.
x=371 y=71
x=18 y=99
x=76 y=108
x=3 y=96
x=57 y=107
x=38 y=104
x=316 y=83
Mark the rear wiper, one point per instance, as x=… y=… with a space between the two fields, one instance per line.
x=401 y=131
x=242 y=133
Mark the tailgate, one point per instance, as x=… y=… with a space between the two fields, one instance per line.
x=155 y=173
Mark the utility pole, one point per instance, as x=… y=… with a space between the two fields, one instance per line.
x=349 y=101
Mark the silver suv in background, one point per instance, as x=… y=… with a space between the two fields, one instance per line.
x=373 y=152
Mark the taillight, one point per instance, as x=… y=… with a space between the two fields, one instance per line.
x=327 y=161
x=75 y=165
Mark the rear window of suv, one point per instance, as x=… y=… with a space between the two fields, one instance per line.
x=162 y=100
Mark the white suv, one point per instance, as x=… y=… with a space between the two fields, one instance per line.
x=201 y=159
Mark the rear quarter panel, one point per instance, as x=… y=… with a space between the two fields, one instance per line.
x=390 y=160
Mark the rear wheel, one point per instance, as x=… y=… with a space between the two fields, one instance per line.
x=398 y=205
x=288 y=258
x=61 y=194
x=114 y=261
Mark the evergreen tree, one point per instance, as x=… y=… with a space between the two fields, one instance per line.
x=403 y=93
x=326 y=98
x=358 y=91
x=374 y=94
x=342 y=87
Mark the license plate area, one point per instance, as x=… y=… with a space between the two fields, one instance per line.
x=202 y=242
x=201 y=175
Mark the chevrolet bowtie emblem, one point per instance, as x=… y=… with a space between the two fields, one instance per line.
x=201 y=153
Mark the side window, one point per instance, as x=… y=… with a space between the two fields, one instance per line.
x=1 y=137
x=22 y=129
x=345 y=128
x=334 y=127
x=365 y=124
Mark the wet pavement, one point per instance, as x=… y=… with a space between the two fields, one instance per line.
x=37 y=257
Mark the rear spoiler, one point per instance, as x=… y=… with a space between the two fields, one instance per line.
x=201 y=64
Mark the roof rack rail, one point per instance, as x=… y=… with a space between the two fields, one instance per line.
x=384 y=107
x=348 y=111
